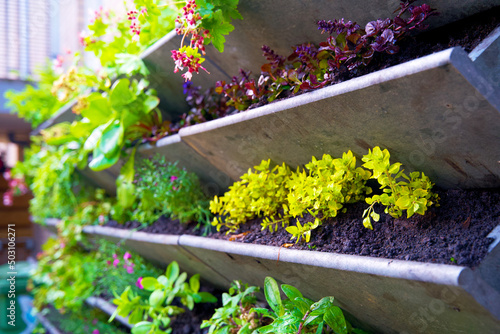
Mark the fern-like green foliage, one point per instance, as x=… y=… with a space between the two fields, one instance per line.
x=401 y=192
x=260 y=193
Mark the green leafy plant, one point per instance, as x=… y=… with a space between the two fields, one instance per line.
x=205 y=21
x=162 y=188
x=279 y=194
x=64 y=277
x=400 y=191
x=158 y=307
x=50 y=174
x=329 y=184
x=86 y=320
x=117 y=40
x=301 y=315
x=236 y=314
x=260 y=193
x=36 y=103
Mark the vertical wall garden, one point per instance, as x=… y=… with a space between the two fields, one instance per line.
x=271 y=167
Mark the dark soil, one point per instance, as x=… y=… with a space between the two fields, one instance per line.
x=163 y=225
x=453 y=233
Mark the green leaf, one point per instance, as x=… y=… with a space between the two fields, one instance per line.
x=335 y=319
x=135 y=316
x=93 y=139
x=207 y=297
x=149 y=283
x=150 y=103
x=111 y=139
x=272 y=293
x=120 y=93
x=157 y=298
x=142 y=327
x=172 y=271
x=367 y=223
x=100 y=161
x=99 y=111
x=82 y=129
x=291 y=292
x=218 y=28
x=194 y=283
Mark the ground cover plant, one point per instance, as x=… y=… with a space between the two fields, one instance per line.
x=242 y=314
x=321 y=190
x=237 y=313
x=162 y=188
x=153 y=314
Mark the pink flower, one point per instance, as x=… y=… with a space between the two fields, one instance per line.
x=116 y=262
x=173 y=178
x=94 y=322
x=115 y=256
x=62 y=245
x=108 y=262
x=139 y=283
x=129 y=267
x=95 y=331
x=127 y=256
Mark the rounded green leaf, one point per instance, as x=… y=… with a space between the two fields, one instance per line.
x=111 y=139
x=290 y=291
x=272 y=293
x=149 y=283
x=157 y=298
x=121 y=94
x=142 y=327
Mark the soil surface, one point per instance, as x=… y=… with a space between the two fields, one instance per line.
x=453 y=233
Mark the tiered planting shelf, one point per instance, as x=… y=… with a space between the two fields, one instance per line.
x=386 y=296
x=438 y=114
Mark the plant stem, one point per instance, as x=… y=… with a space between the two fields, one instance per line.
x=302 y=323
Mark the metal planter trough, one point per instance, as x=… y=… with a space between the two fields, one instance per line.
x=438 y=114
x=267 y=23
x=158 y=249
x=107 y=308
x=385 y=296
x=49 y=327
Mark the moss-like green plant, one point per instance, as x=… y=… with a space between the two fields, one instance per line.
x=260 y=193
x=412 y=194
x=163 y=188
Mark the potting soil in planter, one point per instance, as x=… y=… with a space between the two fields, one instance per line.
x=453 y=233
